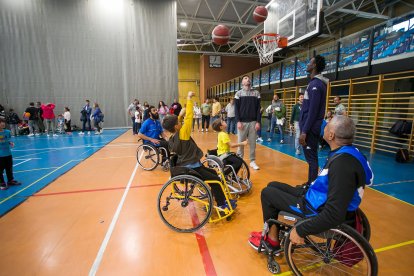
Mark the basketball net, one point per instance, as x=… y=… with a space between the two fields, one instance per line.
x=266 y=45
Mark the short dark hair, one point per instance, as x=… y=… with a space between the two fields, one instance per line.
x=169 y=122
x=2 y=120
x=320 y=63
x=11 y=109
x=339 y=98
x=87 y=101
x=245 y=76
x=31 y=103
x=216 y=125
x=301 y=94
x=217 y=98
x=151 y=107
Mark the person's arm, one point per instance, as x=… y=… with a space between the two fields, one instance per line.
x=283 y=110
x=185 y=131
x=343 y=182
x=314 y=105
x=52 y=106
x=235 y=145
x=293 y=114
x=237 y=106
x=258 y=115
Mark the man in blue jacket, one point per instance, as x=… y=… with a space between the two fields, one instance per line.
x=312 y=113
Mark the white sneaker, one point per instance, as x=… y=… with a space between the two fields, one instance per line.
x=206 y=130
x=48 y=134
x=282 y=142
x=269 y=139
x=101 y=131
x=254 y=165
x=55 y=135
x=259 y=139
x=81 y=133
x=97 y=132
x=89 y=133
x=202 y=130
x=297 y=152
x=37 y=134
x=31 y=134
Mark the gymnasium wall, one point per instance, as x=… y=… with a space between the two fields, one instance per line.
x=230 y=67
x=108 y=51
x=188 y=76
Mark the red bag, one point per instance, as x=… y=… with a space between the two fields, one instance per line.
x=346 y=252
x=172 y=111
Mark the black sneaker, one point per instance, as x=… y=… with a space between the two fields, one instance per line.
x=14 y=183
x=3 y=186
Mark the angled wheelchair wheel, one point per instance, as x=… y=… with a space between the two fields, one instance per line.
x=185 y=203
x=147 y=157
x=244 y=176
x=338 y=251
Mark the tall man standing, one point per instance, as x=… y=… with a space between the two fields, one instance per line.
x=311 y=114
x=247 y=112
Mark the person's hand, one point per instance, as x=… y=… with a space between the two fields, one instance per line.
x=239 y=126
x=302 y=139
x=257 y=126
x=244 y=143
x=155 y=141
x=295 y=238
x=291 y=126
x=191 y=94
x=12 y=144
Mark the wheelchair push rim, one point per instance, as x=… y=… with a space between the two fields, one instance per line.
x=182 y=207
x=147 y=157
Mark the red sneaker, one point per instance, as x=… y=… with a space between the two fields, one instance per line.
x=256 y=234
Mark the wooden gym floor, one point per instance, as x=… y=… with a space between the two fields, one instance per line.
x=101 y=217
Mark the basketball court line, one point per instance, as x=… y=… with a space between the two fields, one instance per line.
x=39 y=169
x=26 y=160
x=392 y=183
x=98 y=259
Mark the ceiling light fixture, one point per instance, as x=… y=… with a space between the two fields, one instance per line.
x=183 y=24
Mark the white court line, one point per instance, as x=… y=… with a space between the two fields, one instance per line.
x=39 y=169
x=79 y=147
x=27 y=160
x=108 y=235
x=391 y=183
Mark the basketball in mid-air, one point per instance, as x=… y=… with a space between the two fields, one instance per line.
x=221 y=35
x=260 y=14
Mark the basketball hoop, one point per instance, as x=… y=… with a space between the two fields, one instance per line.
x=266 y=44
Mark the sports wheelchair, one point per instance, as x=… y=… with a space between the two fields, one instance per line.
x=185 y=202
x=150 y=156
x=238 y=183
x=338 y=251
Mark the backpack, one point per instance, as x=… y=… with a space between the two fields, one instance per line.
x=402 y=156
x=401 y=128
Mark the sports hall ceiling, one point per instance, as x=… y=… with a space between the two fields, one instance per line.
x=201 y=16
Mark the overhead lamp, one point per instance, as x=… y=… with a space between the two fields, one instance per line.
x=183 y=24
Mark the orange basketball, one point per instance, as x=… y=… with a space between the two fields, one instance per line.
x=260 y=14
x=221 y=35
x=26 y=115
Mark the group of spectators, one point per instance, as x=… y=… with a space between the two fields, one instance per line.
x=41 y=118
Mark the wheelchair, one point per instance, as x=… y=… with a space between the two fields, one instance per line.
x=238 y=183
x=150 y=156
x=185 y=202
x=338 y=251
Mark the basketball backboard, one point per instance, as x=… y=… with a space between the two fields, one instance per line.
x=298 y=20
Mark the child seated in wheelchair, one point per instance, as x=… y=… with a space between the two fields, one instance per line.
x=189 y=154
x=224 y=144
x=151 y=132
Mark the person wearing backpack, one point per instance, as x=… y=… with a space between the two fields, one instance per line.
x=13 y=121
x=98 y=119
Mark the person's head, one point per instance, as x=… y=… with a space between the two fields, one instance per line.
x=339 y=131
x=219 y=125
x=207 y=101
x=96 y=105
x=38 y=104
x=146 y=105
x=87 y=102
x=316 y=65
x=329 y=114
x=135 y=102
x=301 y=98
x=31 y=103
x=195 y=104
x=175 y=101
x=232 y=100
x=275 y=97
x=137 y=108
x=216 y=99
x=246 y=82
x=171 y=123
x=11 y=110
x=161 y=104
x=153 y=112
x=337 y=100
x=2 y=123
x=67 y=108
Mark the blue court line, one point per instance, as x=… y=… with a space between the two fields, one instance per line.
x=54 y=157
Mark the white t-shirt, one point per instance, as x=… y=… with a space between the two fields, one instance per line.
x=137 y=117
x=66 y=115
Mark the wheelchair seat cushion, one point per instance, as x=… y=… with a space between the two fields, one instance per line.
x=176 y=171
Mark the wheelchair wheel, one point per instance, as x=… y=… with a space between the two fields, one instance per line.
x=185 y=203
x=338 y=251
x=147 y=157
x=366 y=228
x=244 y=176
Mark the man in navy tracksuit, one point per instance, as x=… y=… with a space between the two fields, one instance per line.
x=312 y=113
